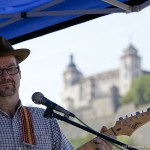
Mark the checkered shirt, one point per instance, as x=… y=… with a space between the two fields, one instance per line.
x=47 y=132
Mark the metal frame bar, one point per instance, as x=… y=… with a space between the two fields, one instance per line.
x=145 y=4
x=36 y=12
x=9 y=22
x=47 y=5
x=126 y=7
x=60 y=13
x=12 y=19
x=120 y=5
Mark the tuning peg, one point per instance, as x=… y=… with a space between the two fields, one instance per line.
x=148 y=109
x=131 y=117
x=137 y=114
x=142 y=113
x=120 y=118
x=126 y=118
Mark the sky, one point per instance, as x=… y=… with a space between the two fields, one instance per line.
x=96 y=45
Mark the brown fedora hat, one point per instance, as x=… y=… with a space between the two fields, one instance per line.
x=6 y=49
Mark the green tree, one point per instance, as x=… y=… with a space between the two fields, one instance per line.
x=140 y=91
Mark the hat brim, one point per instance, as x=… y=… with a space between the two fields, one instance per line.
x=20 y=54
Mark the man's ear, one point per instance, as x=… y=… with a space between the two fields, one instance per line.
x=20 y=72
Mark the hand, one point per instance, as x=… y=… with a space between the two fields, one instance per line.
x=103 y=144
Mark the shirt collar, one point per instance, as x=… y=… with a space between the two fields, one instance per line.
x=17 y=110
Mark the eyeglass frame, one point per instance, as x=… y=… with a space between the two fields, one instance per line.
x=7 y=70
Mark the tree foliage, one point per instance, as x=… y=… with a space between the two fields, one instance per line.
x=140 y=91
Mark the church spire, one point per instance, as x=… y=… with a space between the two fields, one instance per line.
x=72 y=75
x=71 y=64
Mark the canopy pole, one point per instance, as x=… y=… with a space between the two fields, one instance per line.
x=118 y=4
x=145 y=4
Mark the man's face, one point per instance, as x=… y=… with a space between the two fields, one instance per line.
x=9 y=84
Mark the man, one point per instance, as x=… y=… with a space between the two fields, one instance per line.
x=25 y=128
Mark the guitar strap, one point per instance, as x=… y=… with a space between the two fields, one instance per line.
x=28 y=134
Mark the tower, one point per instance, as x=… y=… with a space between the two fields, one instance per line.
x=130 y=68
x=72 y=74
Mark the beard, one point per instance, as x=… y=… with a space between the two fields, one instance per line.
x=7 y=88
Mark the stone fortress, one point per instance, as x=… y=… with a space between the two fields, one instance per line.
x=98 y=95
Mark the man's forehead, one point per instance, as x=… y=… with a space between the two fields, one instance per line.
x=8 y=60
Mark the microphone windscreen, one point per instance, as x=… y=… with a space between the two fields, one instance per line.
x=37 y=97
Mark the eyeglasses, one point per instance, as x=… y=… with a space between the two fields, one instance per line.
x=10 y=71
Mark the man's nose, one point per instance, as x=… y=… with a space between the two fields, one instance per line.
x=5 y=73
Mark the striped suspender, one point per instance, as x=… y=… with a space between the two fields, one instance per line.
x=28 y=134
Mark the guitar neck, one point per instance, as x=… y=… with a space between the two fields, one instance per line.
x=122 y=127
x=91 y=145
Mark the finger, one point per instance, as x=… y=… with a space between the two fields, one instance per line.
x=103 y=129
x=103 y=145
x=99 y=142
x=109 y=145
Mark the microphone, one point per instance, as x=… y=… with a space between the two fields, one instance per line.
x=38 y=98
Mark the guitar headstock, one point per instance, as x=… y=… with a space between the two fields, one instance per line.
x=128 y=125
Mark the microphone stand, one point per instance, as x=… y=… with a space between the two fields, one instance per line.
x=49 y=113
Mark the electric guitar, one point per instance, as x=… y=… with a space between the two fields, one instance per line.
x=124 y=126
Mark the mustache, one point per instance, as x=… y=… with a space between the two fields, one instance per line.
x=6 y=81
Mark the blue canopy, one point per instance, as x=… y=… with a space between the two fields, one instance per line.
x=22 y=20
